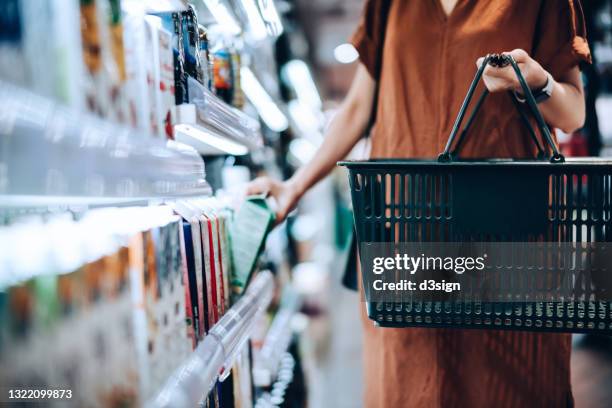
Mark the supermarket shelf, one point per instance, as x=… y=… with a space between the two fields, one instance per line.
x=276 y=342
x=213 y=127
x=50 y=154
x=215 y=355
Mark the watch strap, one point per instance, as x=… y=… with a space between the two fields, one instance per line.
x=541 y=94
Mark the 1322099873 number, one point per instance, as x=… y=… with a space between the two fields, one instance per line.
x=38 y=394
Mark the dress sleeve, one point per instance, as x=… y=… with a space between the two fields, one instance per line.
x=561 y=41
x=368 y=38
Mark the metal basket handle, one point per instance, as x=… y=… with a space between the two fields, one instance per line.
x=501 y=60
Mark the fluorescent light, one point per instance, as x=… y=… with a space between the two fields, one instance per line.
x=267 y=109
x=307 y=122
x=303 y=150
x=298 y=75
x=223 y=16
x=207 y=142
x=162 y=6
x=346 y=53
x=270 y=16
x=256 y=24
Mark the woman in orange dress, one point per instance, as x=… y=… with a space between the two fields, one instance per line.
x=430 y=52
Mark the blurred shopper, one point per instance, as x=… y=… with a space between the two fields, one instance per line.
x=429 y=56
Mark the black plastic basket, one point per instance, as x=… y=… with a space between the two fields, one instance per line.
x=448 y=200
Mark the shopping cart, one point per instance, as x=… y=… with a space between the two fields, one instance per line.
x=547 y=200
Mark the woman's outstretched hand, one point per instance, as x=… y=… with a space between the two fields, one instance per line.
x=284 y=192
x=498 y=79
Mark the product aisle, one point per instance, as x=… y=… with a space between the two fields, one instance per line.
x=133 y=272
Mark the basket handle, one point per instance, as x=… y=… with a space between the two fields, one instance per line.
x=501 y=60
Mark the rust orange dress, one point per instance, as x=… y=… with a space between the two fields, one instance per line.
x=428 y=62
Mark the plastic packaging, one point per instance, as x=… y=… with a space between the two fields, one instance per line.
x=225 y=119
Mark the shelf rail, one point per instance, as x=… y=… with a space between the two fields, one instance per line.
x=51 y=154
x=277 y=340
x=215 y=355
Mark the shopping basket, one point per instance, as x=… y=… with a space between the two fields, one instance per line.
x=548 y=199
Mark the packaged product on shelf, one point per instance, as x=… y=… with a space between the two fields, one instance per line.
x=207 y=269
x=189 y=313
x=173 y=22
x=157 y=276
x=211 y=276
x=238 y=95
x=137 y=66
x=193 y=259
x=227 y=256
x=167 y=343
x=14 y=65
x=103 y=54
x=136 y=257
x=156 y=354
x=18 y=356
x=3 y=319
x=249 y=230
x=199 y=256
x=224 y=267
x=118 y=96
x=27 y=59
x=74 y=332
x=236 y=389
x=213 y=398
x=226 y=390
x=218 y=276
x=191 y=42
x=206 y=63
x=243 y=378
x=174 y=286
x=159 y=76
x=111 y=364
x=222 y=73
x=92 y=56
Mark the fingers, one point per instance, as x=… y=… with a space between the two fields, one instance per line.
x=519 y=55
x=497 y=78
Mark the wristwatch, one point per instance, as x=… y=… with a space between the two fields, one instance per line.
x=542 y=94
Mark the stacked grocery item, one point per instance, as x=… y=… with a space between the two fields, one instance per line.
x=119 y=59
x=107 y=307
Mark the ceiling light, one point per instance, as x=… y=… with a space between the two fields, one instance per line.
x=306 y=121
x=346 y=53
x=270 y=16
x=298 y=75
x=267 y=109
x=223 y=16
x=256 y=24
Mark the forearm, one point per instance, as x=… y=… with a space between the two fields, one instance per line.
x=565 y=109
x=344 y=132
